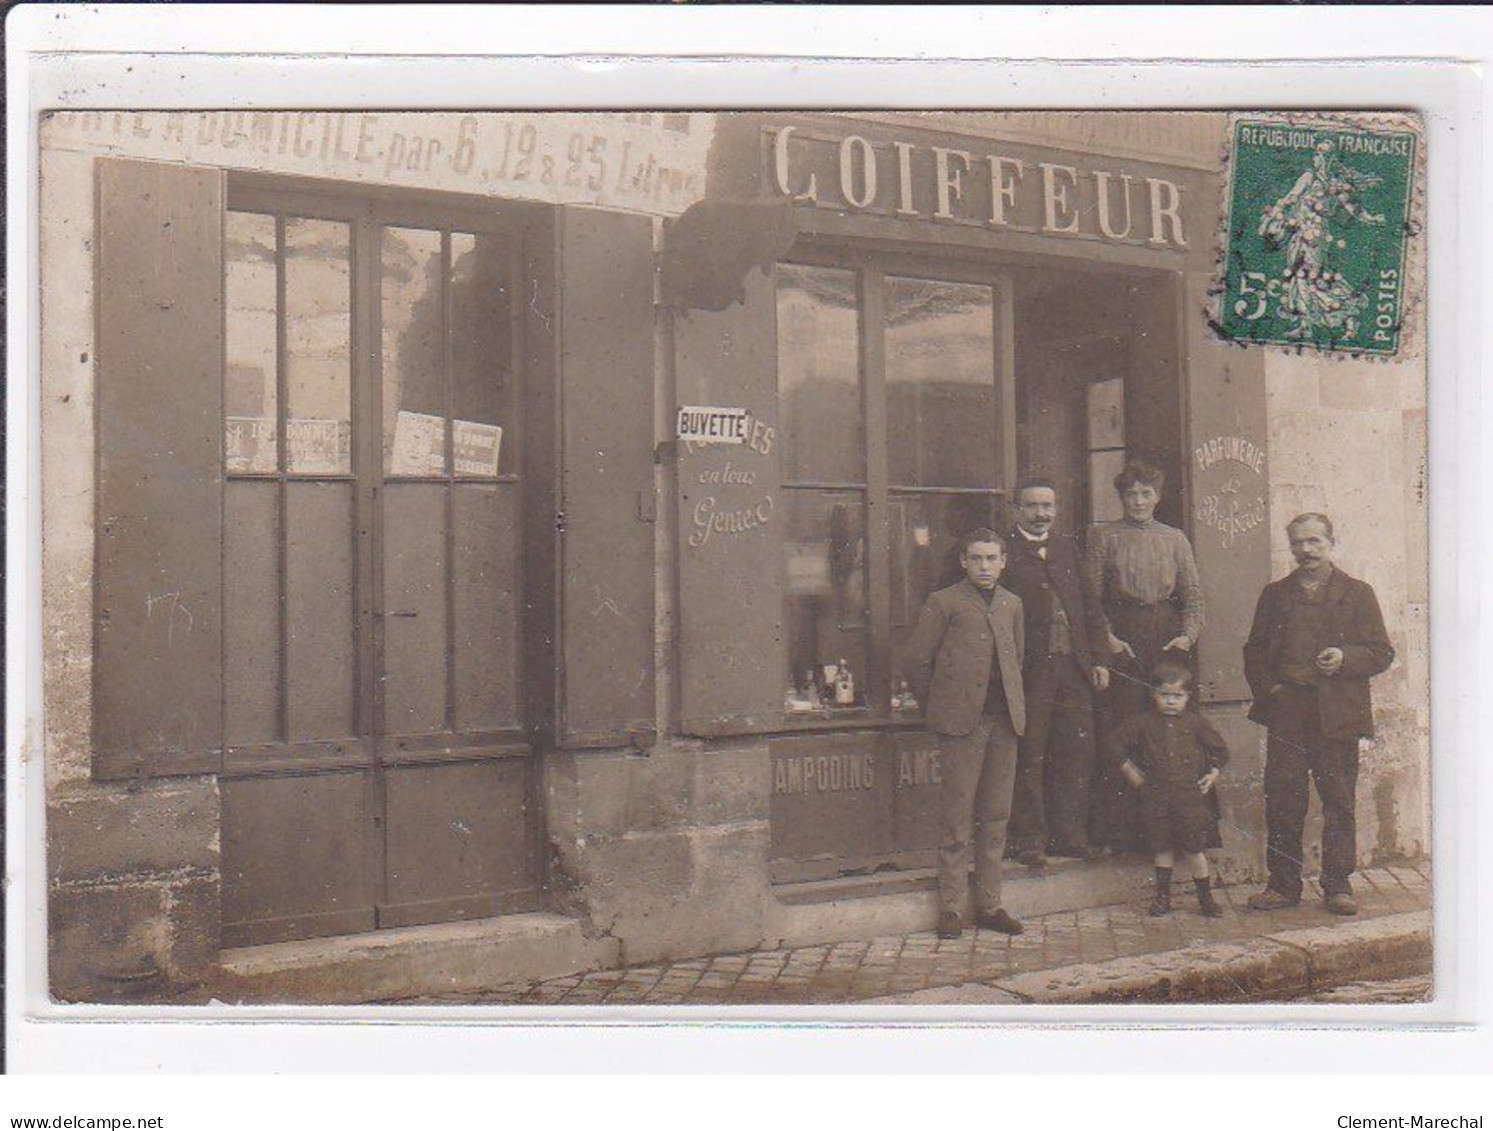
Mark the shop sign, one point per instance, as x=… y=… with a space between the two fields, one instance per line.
x=839 y=773
x=651 y=163
x=1012 y=189
x=1230 y=488
x=858 y=800
x=706 y=424
x=732 y=503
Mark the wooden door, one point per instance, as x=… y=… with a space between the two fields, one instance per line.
x=377 y=771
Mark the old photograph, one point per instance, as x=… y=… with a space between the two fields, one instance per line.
x=704 y=558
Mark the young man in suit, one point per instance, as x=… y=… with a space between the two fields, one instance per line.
x=1317 y=639
x=1066 y=662
x=965 y=658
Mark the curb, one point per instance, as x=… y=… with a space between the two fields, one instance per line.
x=1282 y=965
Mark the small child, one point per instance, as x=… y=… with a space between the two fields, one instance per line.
x=1173 y=757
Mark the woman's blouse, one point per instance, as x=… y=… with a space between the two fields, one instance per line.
x=1146 y=563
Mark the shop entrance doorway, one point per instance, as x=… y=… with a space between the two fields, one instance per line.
x=969 y=378
x=1098 y=379
x=377 y=770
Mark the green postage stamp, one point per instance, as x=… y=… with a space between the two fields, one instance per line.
x=1314 y=251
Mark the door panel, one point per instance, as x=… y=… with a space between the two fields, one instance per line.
x=295 y=857
x=459 y=841
x=251 y=613
x=414 y=608
x=485 y=582
x=320 y=672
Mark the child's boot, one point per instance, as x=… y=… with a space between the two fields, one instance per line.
x=1162 y=904
x=1206 y=903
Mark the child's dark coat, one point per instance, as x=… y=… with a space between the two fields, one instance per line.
x=1173 y=753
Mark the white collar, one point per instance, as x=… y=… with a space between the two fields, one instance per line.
x=1030 y=537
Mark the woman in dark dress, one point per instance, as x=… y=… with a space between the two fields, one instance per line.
x=1147 y=581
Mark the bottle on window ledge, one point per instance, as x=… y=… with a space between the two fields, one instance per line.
x=831 y=681
x=904 y=700
x=844 y=686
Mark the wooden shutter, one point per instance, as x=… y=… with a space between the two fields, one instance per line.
x=157 y=694
x=606 y=496
x=732 y=658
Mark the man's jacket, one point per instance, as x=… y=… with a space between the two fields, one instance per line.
x=1353 y=623
x=1036 y=581
x=951 y=652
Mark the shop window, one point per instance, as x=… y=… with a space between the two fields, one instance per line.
x=891 y=404
x=940 y=381
x=820 y=397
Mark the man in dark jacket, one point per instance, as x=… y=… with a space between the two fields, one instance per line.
x=965 y=658
x=1318 y=637
x=1065 y=663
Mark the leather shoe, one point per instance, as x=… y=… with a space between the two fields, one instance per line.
x=950 y=925
x=999 y=920
x=1032 y=859
x=1270 y=900
x=1341 y=903
x=1068 y=851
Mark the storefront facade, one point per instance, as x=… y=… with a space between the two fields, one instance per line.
x=521 y=472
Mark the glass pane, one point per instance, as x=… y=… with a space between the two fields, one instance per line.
x=414 y=389
x=925 y=533
x=482 y=387
x=318 y=349
x=941 y=392
x=1104 y=501
x=1107 y=413
x=249 y=387
x=819 y=381
x=825 y=587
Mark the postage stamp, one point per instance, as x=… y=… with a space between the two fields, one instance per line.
x=1318 y=219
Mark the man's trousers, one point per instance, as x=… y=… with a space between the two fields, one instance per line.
x=1055 y=766
x=978 y=772
x=1294 y=751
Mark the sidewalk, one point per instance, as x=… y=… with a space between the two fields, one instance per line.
x=1103 y=954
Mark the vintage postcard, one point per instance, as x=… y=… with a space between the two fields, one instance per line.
x=689 y=557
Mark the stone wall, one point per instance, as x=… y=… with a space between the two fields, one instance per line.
x=667 y=851
x=1347 y=438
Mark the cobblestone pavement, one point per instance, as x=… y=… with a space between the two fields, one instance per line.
x=857 y=971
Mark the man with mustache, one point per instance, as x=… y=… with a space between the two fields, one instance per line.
x=1067 y=660
x=1317 y=639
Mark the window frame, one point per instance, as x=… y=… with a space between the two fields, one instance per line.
x=871 y=267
